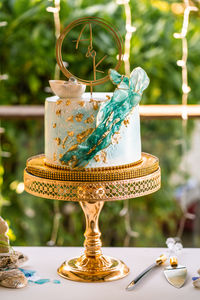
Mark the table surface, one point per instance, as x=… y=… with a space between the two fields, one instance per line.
x=45 y=261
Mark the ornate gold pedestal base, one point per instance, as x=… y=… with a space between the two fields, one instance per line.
x=89 y=269
x=91 y=188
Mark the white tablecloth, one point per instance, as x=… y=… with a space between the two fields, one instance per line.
x=45 y=261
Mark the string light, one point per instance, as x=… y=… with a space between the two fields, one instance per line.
x=57 y=215
x=3 y=23
x=3 y=76
x=126 y=58
x=2 y=130
x=185 y=91
x=129 y=30
x=55 y=10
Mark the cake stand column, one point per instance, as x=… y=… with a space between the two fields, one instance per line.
x=92 y=234
x=93 y=266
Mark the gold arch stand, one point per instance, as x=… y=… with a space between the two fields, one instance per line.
x=91 y=188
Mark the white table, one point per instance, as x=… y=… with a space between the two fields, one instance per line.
x=45 y=261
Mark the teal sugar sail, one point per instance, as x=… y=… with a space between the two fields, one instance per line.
x=110 y=117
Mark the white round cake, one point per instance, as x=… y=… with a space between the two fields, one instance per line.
x=69 y=121
x=84 y=130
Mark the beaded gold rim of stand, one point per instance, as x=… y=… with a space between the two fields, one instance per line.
x=92 y=191
x=37 y=167
x=97 y=169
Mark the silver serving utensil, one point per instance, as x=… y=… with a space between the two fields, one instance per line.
x=175 y=274
x=159 y=261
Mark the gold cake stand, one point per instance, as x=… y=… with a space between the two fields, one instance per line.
x=91 y=188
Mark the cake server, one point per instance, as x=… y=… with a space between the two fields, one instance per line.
x=159 y=261
x=175 y=274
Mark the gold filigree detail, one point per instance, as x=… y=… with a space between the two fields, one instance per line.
x=70 y=119
x=108 y=97
x=60 y=156
x=70 y=133
x=79 y=117
x=90 y=119
x=58 y=140
x=83 y=135
x=58 y=102
x=67 y=190
x=68 y=102
x=54 y=125
x=40 y=166
x=58 y=112
x=54 y=156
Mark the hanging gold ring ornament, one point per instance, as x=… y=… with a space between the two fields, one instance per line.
x=91 y=52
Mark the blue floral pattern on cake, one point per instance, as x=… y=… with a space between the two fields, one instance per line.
x=110 y=116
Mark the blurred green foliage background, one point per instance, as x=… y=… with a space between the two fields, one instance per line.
x=27 y=55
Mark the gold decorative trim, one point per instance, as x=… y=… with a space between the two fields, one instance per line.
x=89 y=21
x=92 y=191
x=97 y=169
x=148 y=164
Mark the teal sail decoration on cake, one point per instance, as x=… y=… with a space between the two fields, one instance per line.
x=110 y=116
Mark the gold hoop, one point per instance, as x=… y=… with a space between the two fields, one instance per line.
x=88 y=20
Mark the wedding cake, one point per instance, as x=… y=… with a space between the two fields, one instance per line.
x=84 y=130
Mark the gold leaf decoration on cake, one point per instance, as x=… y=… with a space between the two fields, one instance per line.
x=95 y=104
x=101 y=157
x=108 y=97
x=83 y=135
x=92 y=149
x=64 y=141
x=81 y=103
x=54 y=125
x=117 y=120
x=126 y=122
x=97 y=158
x=60 y=155
x=103 y=137
x=68 y=102
x=70 y=119
x=89 y=119
x=58 y=112
x=115 y=138
x=110 y=119
x=104 y=156
x=58 y=102
x=54 y=156
x=79 y=117
x=72 y=161
x=73 y=147
x=70 y=133
x=58 y=140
